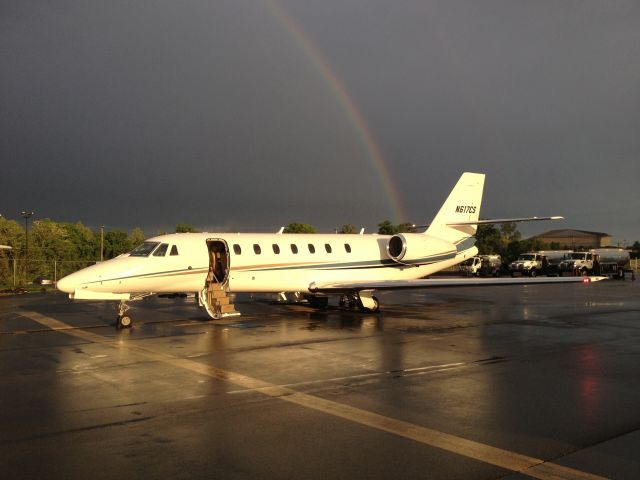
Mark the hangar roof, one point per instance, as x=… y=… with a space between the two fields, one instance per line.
x=567 y=232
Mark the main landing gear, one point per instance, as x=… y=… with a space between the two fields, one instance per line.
x=367 y=301
x=364 y=300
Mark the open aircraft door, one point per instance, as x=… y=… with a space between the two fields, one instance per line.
x=214 y=297
x=218 y=261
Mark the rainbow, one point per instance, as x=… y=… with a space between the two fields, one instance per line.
x=347 y=105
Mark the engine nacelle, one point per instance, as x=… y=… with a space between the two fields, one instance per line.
x=417 y=248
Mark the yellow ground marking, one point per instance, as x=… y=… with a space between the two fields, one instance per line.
x=533 y=467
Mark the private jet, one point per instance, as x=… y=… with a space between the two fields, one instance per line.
x=352 y=266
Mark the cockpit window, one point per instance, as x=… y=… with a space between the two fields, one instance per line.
x=144 y=250
x=174 y=250
x=161 y=251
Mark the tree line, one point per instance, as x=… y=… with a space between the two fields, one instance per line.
x=69 y=246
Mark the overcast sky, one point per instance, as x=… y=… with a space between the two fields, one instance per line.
x=247 y=115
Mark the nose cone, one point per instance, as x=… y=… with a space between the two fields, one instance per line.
x=67 y=284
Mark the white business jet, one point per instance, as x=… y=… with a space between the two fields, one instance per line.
x=353 y=266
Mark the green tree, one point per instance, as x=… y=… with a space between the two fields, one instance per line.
x=84 y=245
x=509 y=233
x=185 y=228
x=137 y=237
x=514 y=249
x=348 y=228
x=116 y=242
x=406 y=227
x=12 y=235
x=388 y=228
x=299 y=228
x=489 y=240
x=47 y=243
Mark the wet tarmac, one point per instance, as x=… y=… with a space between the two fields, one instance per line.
x=468 y=383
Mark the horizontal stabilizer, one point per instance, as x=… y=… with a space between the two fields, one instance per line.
x=504 y=220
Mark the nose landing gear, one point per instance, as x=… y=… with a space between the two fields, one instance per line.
x=123 y=320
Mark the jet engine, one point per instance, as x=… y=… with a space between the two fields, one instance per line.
x=417 y=248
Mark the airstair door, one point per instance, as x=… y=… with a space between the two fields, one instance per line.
x=214 y=297
x=218 y=261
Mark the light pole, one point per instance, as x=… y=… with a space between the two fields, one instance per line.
x=26 y=216
x=102 y=243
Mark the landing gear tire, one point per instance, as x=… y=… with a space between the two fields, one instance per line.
x=373 y=309
x=377 y=307
x=124 y=321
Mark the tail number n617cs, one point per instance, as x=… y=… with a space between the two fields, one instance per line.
x=465 y=209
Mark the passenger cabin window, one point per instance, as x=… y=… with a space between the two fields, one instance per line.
x=236 y=249
x=256 y=248
x=347 y=248
x=312 y=249
x=161 y=251
x=174 y=250
x=144 y=250
x=327 y=247
x=276 y=248
x=294 y=248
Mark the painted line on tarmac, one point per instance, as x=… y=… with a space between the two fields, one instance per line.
x=408 y=372
x=533 y=467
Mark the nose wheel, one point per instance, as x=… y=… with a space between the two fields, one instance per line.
x=123 y=320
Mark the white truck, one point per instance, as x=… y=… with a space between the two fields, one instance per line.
x=544 y=262
x=598 y=261
x=482 y=265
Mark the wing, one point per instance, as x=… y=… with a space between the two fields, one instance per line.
x=496 y=220
x=443 y=282
x=505 y=220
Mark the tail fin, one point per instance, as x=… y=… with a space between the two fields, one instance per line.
x=462 y=205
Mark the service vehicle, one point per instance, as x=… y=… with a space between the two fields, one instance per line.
x=482 y=265
x=601 y=261
x=544 y=262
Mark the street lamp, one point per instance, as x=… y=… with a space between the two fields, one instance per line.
x=26 y=216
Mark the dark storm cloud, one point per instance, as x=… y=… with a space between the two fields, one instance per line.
x=213 y=113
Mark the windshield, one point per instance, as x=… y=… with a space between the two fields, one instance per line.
x=527 y=256
x=578 y=256
x=144 y=250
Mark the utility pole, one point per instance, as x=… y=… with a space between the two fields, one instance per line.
x=26 y=216
x=102 y=243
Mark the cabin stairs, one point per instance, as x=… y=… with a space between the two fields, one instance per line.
x=217 y=302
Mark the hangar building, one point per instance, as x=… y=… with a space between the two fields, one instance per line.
x=576 y=239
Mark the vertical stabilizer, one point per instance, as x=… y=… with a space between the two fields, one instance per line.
x=462 y=205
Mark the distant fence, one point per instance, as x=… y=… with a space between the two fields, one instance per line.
x=13 y=272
